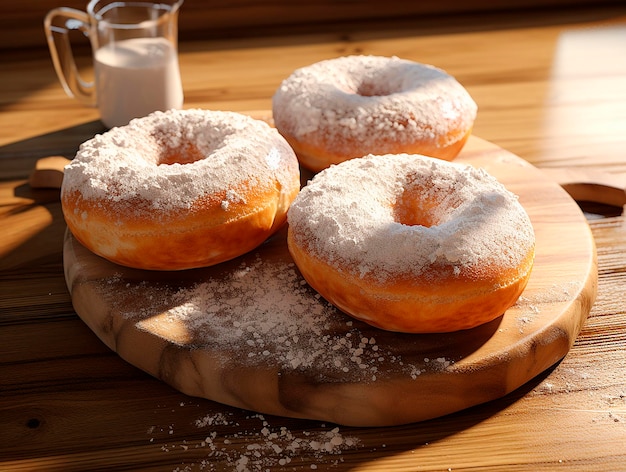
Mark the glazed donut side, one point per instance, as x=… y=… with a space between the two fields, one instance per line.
x=444 y=304
x=180 y=189
x=178 y=242
x=317 y=157
x=348 y=107
x=412 y=244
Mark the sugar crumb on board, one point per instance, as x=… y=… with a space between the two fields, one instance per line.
x=265 y=314
x=528 y=306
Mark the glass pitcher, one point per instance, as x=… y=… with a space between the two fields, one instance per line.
x=135 y=56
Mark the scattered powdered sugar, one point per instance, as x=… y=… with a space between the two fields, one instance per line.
x=356 y=104
x=409 y=215
x=264 y=313
x=169 y=160
x=555 y=293
x=276 y=446
x=254 y=443
x=528 y=307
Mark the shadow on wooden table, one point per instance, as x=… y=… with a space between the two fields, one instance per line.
x=403 y=446
x=35 y=211
x=18 y=159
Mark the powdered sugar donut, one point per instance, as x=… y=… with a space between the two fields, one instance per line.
x=411 y=243
x=179 y=189
x=352 y=106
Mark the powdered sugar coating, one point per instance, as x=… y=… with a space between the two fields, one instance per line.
x=171 y=159
x=356 y=104
x=348 y=216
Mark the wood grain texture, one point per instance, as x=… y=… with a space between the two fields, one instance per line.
x=550 y=88
x=245 y=333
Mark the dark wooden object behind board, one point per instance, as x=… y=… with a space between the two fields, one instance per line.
x=21 y=22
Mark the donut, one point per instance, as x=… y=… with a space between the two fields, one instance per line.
x=352 y=106
x=179 y=189
x=411 y=243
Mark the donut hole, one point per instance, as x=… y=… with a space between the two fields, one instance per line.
x=428 y=202
x=375 y=88
x=185 y=154
x=420 y=205
x=380 y=82
x=411 y=209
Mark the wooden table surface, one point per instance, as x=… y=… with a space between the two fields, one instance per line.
x=551 y=88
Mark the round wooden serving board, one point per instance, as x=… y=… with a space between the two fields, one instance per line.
x=250 y=333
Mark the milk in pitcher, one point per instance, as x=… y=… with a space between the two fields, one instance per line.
x=135 y=77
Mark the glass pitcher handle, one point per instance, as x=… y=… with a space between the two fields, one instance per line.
x=57 y=24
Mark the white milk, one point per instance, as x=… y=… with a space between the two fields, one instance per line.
x=135 y=77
